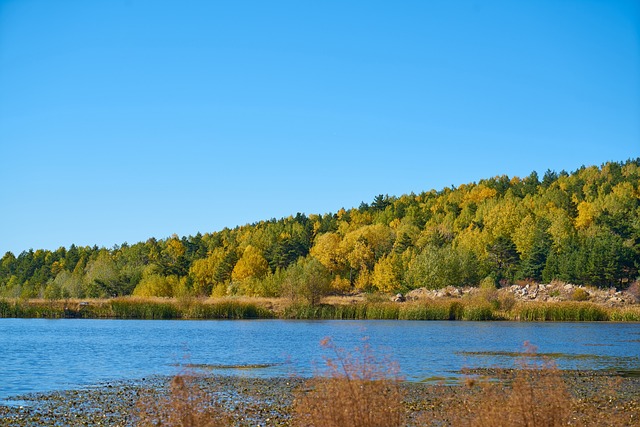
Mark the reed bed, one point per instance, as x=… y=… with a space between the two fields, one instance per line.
x=227 y=309
x=133 y=308
x=427 y=310
x=232 y=308
x=25 y=309
x=561 y=312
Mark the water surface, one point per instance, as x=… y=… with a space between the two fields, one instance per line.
x=38 y=355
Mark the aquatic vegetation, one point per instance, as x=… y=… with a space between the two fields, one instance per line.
x=560 y=311
x=236 y=308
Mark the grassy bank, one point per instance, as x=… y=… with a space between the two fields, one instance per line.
x=134 y=308
x=233 y=308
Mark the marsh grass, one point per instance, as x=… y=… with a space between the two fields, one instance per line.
x=536 y=397
x=27 y=309
x=424 y=310
x=626 y=314
x=356 y=389
x=561 y=311
x=474 y=309
x=144 y=309
x=227 y=309
x=134 y=308
x=186 y=405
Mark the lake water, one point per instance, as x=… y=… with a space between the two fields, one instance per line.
x=38 y=355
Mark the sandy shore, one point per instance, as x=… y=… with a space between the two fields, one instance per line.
x=267 y=402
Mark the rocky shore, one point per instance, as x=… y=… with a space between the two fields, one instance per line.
x=552 y=292
x=268 y=402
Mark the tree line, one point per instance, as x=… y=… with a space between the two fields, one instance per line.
x=581 y=227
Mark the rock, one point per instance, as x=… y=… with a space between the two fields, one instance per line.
x=398 y=298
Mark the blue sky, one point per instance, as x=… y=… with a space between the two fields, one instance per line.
x=124 y=120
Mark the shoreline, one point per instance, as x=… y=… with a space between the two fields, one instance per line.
x=268 y=402
x=468 y=307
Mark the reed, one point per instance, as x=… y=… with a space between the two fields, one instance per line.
x=185 y=405
x=356 y=389
x=232 y=308
x=477 y=312
x=537 y=397
x=383 y=311
x=430 y=310
x=560 y=311
x=227 y=309
x=126 y=308
x=31 y=309
x=7 y=309
x=625 y=314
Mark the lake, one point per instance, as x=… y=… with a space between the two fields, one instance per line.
x=38 y=355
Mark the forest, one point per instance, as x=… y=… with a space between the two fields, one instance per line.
x=581 y=227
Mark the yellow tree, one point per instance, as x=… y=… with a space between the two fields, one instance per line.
x=203 y=271
x=586 y=215
x=326 y=249
x=252 y=264
x=524 y=235
x=367 y=244
x=386 y=277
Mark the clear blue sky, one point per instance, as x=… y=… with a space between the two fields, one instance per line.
x=124 y=120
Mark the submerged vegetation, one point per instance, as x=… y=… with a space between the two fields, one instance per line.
x=581 y=228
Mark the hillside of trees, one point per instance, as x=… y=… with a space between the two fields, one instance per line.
x=581 y=227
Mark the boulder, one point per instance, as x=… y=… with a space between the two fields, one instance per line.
x=398 y=298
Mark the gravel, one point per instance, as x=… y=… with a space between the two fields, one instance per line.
x=268 y=402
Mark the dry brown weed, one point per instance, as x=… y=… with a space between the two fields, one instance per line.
x=537 y=397
x=357 y=390
x=185 y=406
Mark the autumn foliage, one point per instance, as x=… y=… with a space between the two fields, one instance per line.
x=581 y=228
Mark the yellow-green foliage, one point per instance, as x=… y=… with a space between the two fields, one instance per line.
x=578 y=228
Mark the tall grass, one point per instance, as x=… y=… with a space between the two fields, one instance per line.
x=186 y=405
x=355 y=390
x=227 y=309
x=565 y=311
x=537 y=397
x=626 y=314
x=429 y=310
x=143 y=309
x=133 y=308
x=26 y=309
x=231 y=308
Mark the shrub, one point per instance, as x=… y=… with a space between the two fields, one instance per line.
x=580 y=294
x=634 y=291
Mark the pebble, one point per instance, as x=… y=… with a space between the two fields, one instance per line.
x=268 y=402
